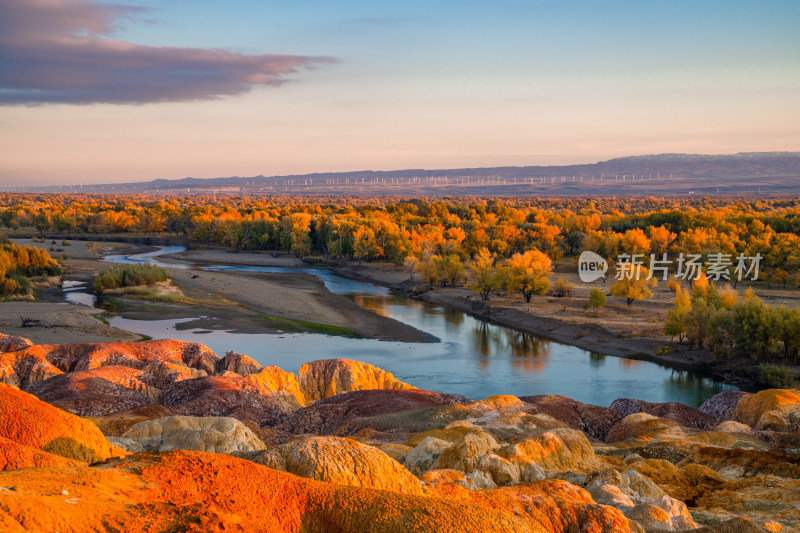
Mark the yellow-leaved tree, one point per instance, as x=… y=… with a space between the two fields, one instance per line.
x=528 y=273
x=484 y=278
x=633 y=283
x=675 y=323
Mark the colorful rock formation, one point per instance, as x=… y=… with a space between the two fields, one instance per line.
x=179 y=439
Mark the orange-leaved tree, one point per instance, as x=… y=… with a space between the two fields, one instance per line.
x=528 y=273
x=484 y=277
x=634 y=283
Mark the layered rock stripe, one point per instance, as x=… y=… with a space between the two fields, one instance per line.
x=179 y=438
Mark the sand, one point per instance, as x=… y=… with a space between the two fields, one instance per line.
x=217 y=257
x=300 y=297
x=245 y=302
x=60 y=323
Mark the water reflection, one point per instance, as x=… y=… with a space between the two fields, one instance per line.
x=473 y=358
x=596 y=360
x=371 y=302
x=77 y=292
x=452 y=316
x=629 y=364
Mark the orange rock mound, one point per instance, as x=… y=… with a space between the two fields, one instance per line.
x=14 y=456
x=26 y=420
x=195 y=491
x=42 y=361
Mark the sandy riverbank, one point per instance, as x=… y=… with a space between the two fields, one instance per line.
x=59 y=323
x=298 y=297
x=257 y=299
x=246 y=302
x=220 y=257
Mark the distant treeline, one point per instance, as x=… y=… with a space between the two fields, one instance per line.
x=20 y=263
x=392 y=229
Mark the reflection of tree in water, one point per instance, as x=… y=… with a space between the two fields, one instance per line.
x=629 y=363
x=453 y=316
x=373 y=303
x=684 y=380
x=701 y=387
x=596 y=359
x=528 y=352
x=486 y=339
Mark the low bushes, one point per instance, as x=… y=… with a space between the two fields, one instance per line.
x=135 y=275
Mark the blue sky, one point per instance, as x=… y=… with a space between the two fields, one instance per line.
x=385 y=85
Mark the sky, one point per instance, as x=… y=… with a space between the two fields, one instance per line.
x=94 y=92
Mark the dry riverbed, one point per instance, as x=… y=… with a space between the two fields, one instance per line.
x=246 y=302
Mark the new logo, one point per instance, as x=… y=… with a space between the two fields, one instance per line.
x=591 y=266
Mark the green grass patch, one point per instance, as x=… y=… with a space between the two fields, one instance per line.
x=292 y=325
x=119 y=276
x=101 y=319
x=153 y=294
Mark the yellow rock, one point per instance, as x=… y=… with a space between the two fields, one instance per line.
x=451 y=434
x=464 y=453
x=644 y=426
x=502 y=402
x=274 y=379
x=502 y=471
x=650 y=517
x=328 y=377
x=558 y=450
x=771 y=409
x=341 y=461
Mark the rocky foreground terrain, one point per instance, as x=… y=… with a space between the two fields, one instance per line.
x=167 y=436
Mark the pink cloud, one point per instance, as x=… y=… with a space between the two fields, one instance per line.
x=52 y=51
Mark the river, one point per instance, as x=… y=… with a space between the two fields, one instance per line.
x=472 y=358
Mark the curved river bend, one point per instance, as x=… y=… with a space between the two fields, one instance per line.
x=473 y=358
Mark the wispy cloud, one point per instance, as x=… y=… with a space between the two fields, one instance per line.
x=53 y=51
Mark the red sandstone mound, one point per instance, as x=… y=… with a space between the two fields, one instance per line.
x=210 y=492
x=28 y=421
x=348 y=413
x=684 y=415
x=593 y=420
x=722 y=406
x=239 y=363
x=328 y=377
x=9 y=343
x=226 y=395
x=19 y=368
x=98 y=379
x=14 y=456
x=99 y=391
x=37 y=362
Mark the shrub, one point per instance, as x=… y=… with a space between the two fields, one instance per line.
x=129 y=276
x=563 y=287
x=775 y=376
x=597 y=299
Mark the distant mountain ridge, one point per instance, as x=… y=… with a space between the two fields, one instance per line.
x=656 y=174
x=776 y=163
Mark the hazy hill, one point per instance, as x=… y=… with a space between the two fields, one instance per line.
x=663 y=174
